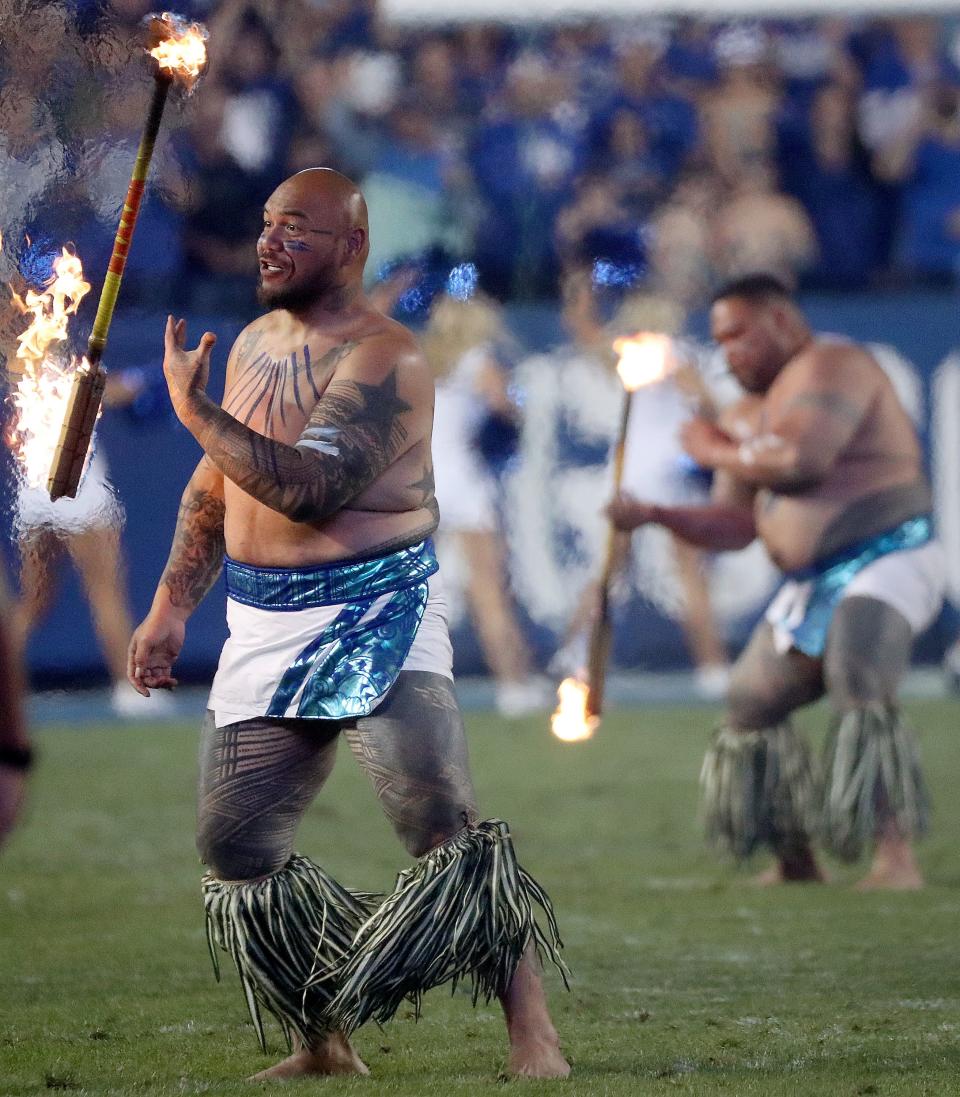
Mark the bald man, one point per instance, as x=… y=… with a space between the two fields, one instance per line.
x=821 y=462
x=315 y=492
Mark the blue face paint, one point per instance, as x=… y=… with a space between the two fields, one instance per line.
x=296 y=245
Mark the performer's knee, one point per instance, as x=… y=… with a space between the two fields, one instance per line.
x=431 y=824
x=751 y=709
x=235 y=856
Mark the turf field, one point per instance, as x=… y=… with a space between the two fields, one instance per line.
x=686 y=979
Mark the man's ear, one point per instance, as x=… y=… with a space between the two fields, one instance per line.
x=356 y=244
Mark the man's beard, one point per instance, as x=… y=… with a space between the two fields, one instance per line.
x=293 y=298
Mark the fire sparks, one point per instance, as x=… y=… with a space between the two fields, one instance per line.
x=41 y=395
x=570 y=722
x=645 y=358
x=181 y=46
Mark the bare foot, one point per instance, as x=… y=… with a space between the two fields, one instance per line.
x=534 y=1044
x=894 y=866
x=334 y=1056
x=890 y=881
x=538 y=1057
x=795 y=868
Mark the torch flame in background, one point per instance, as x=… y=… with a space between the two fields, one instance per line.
x=41 y=395
x=644 y=359
x=181 y=46
x=570 y=722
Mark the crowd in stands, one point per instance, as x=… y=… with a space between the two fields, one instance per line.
x=671 y=152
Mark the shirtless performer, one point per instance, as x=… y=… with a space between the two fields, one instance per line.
x=316 y=489
x=820 y=461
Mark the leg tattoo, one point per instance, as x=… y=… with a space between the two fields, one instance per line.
x=757 y=785
x=466 y=908
x=874 y=779
x=282 y=919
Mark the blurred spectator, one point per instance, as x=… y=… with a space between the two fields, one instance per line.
x=827 y=168
x=681 y=240
x=465 y=342
x=600 y=225
x=224 y=213
x=643 y=115
x=525 y=160
x=757 y=228
x=926 y=161
x=483 y=51
x=416 y=190
x=258 y=114
x=739 y=116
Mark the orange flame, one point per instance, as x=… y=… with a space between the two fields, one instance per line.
x=181 y=49
x=645 y=358
x=570 y=722
x=41 y=395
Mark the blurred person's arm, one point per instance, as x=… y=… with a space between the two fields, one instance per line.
x=15 y=753
x=822 y=405
x=724 y=524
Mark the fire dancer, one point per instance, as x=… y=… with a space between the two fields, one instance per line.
x=316 y=481
x=821 y=462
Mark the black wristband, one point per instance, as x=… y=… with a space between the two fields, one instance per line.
x=16 y=757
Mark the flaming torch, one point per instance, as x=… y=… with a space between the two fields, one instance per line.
x=179 y=49
x=644 y=359
x=46 y=379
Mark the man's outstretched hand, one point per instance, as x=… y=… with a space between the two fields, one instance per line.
x=186 y=371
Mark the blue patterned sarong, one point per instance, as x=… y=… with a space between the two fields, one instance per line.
x=324 y=642
x=821 y=586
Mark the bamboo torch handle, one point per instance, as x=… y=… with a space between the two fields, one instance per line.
x=601 y=633
x=88 y=384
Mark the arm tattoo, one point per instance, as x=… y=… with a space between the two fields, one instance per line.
x=833 y=402
x=352 y=436
x=196 y=555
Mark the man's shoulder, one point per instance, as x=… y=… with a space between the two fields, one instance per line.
x=828 y=359
x=383 y=346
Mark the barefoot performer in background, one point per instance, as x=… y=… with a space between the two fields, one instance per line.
x=821 y=462
x=316 y=488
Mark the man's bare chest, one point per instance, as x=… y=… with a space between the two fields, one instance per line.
x=273 y=388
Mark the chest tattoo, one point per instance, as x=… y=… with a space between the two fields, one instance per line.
x=262 y=381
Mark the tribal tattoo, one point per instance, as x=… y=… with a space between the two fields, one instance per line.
x=352 y=436
x=196 y=555
x=835 y=403
x=260 y=377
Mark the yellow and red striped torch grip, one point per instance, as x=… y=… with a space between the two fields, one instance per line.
x=128 y=221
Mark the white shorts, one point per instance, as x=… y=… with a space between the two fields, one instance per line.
x=95 y=506
x=263 y=645
x=912 y=581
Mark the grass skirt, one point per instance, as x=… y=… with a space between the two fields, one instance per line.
x=872 y=768
x=466 y=909
x=286 y=934
x=758 y=789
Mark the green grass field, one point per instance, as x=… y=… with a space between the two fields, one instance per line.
x=686 y=979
